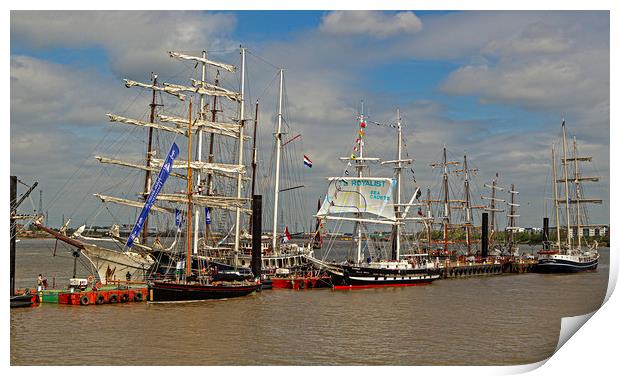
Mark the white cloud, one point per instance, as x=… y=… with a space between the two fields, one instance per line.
x=47 y=94
x=538 y=38
x=550 y=62
x=576 y=80
x=370 y=23
x=135 y=40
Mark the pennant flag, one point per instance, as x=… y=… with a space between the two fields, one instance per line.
x=178 y=217
x=287 y=235
x=159 y=183
x=361 y=133
x=307 y=161
x=363 y=124
x=207 y=216
x=352 y=155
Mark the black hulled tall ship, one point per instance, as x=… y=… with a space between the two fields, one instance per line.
x=572 y=252
x=198 y=284
x=370 y=201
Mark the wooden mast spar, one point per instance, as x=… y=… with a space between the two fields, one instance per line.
x=210 y=158
x=149 y=156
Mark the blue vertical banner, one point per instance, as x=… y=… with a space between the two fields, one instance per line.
x=207 y=216
x=159 y=183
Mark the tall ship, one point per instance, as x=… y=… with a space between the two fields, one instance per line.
x=177 y=265
x=365 y=201
x=455 y=209
x=570 y=252
x=279 y=251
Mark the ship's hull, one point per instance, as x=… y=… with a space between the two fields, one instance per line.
x=181 y=292
x=21 y=301
x=109 y=264
x=114 y=266
x=564 y=265
x=301 y=282
x=365 y=277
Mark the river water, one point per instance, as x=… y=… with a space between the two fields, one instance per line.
x=499 y=320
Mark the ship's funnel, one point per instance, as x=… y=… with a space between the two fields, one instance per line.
x=484 y=241
x=257 y=230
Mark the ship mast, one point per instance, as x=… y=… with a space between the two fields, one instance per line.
x=492 y=208
x=512 y=218
x=429 y=224
x=398 y=182
x=188 y=261
x=199 y=148
x=274 y=240
x=149 y=156
x=211 y=138
x=359 y=165
x=555 y=199
x=240 y=157
x=566 y=193
x=577 y=192
x=446 y=199
x=210 y=156
x=467 y=206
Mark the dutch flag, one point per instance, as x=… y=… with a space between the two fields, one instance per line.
x=307 y=161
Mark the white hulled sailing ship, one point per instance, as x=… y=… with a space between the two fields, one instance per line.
x=567 y=255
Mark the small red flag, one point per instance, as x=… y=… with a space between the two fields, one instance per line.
x=287 y=234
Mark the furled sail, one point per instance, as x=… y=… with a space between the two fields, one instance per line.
x=228 y=67
x=198 y=83
x=360 y=195
x=176 y=93
x=152 y=168
x=175 y=88
x=122 y=119
x=220 y=202
x=135 y=204
x=204 y=166
x=225 y=129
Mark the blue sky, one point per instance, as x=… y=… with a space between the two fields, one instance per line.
x=492 y=84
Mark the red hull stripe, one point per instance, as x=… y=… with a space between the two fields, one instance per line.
x=352 y=287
